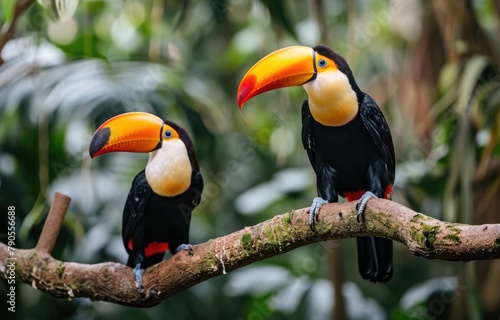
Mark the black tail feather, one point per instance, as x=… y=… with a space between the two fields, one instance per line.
x=375 y=258
x=384 y=256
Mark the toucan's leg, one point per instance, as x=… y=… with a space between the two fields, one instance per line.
x=187 y=247
x=138 y=272
x=361 y=205
x=317 y=203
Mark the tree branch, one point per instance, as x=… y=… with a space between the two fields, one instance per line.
x=8 y=32
x=114 y=282
x=53 y=224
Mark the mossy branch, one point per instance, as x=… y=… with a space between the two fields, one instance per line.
x=114 y=282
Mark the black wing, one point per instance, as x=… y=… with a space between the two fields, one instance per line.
x=375 y=123
x=197 y=188
x=190 y=199
x=135 y=205
x=307 y=133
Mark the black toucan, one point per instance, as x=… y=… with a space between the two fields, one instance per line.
x=158 y=208
x=344 y=133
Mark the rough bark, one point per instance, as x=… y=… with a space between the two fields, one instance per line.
x=114 y=282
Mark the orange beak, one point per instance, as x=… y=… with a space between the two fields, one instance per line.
x=287 y=67
x=128 y=132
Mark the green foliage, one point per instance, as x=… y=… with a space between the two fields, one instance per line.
x=7 y=10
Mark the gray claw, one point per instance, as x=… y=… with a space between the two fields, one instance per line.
x=316 y=205
x=188 y=247
x=138 y=272
x=361 y=205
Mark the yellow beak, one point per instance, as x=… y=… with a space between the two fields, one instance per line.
x=128 y=132
x=287 y=67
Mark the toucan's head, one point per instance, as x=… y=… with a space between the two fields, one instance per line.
x=324 y=74
x=171 y=154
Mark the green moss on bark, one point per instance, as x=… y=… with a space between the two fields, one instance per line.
x=287 y=222
x=60 y=269
x=497 y=243
x=426 y=236
x=454 y=236
x=247 y=242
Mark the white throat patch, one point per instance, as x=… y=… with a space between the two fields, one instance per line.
x=332 y=100
x=169 y=170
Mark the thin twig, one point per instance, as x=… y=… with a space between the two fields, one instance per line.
x=19 y=8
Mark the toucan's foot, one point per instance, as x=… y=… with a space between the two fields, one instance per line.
x=361 y=205
x=138 y=272
x=187 y=247
x=318 y=202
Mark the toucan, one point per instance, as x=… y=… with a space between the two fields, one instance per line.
x=157 y=212
x=344 y=133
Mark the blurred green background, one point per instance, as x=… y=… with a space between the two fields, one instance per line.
x=432 y=66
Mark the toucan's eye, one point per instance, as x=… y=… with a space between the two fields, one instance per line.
x=168 y=134
x=322 y=63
